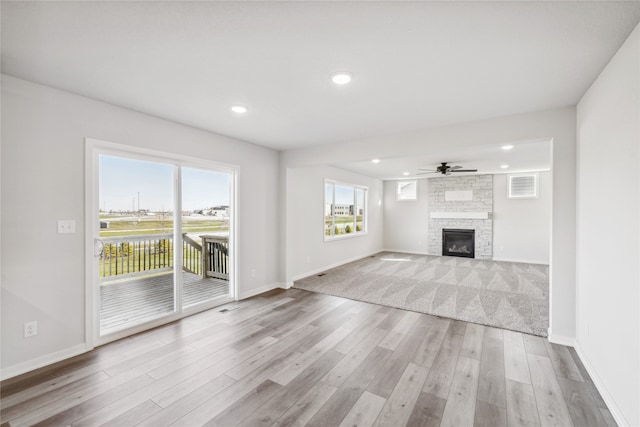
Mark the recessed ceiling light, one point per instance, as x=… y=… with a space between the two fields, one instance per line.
x=405 y=173
x=239 y=109
x=504 y=166
x=507 y=147
x=341 y=77
x=375 y=160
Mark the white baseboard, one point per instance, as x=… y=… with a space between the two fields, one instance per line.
x=602 y=389
x=524 y=261
x=329 y=267
x=403 y=251
x=286 y=285
x=260 y=290
x=597 y=381
x=42 y=361
x=561 y=339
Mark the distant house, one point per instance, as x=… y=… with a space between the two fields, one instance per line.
x=343 y=209
x=219 y=211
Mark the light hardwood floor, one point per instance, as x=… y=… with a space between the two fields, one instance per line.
x=294 y=358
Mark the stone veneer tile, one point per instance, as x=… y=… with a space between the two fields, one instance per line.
x=482 y=187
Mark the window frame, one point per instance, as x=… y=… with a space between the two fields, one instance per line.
x=398 y=198
x=365 y=213
x=536 y=185
x=93 y=149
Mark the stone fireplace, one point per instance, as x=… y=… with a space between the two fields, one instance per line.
x=462 y=203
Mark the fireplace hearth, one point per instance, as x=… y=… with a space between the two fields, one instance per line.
x=460 y=243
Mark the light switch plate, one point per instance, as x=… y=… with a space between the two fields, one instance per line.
x=66 y=226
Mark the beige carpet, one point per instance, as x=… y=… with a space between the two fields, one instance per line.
x=502 y=294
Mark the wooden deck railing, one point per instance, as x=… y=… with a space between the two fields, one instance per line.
x=129 y=255
x=191 y=255
x=139 y=254
x=216 y=256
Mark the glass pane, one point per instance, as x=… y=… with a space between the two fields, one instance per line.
x=360 y=210
x=328 y=202
x=136 y=227
x=205 y=235
x=343 y=210
x=407 y=190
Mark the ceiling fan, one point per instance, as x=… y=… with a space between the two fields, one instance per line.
x=445 y=169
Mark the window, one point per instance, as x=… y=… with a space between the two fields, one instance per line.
x=523 y=186
x=407 y=190
x=175 y=227
x=345 y=207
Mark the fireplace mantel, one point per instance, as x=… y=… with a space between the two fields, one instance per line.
x=459 y=215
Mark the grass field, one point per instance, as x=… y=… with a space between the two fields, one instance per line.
x=133 y=226
x=343 y=224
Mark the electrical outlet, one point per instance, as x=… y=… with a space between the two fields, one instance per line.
x=253 y=272
x=30 y=329
x=308 y=260
x=66 y=226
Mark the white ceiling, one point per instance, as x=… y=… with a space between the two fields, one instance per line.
x=525 y=156
x=416 y=64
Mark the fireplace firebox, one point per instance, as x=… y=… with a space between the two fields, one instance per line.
x=460 y=243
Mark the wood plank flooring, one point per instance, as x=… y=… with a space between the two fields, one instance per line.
x=296 y=358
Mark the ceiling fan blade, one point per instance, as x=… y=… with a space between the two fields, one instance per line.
x=421 y=169
x=426 y=173
x=456 y=167
x=465 y=170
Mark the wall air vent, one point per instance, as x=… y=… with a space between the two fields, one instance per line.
x=523 y=186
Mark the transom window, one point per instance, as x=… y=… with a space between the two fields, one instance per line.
x=408 y=190
x=345 y=210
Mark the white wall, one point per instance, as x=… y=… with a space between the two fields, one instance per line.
x=305 y=222
x=521 y=227
x=406 y=222
x=608 y=272
x=43 y=133
x=558 y=125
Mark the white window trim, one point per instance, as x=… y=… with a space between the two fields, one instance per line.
x=536 y=181
x=365 y=216
x=398 y=193
x=95 y=147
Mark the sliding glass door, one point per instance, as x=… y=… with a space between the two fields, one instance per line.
x=162 y=245
x=205 y=235
x=137 y=274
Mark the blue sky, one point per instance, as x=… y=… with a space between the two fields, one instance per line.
x=344 y=195
x=121 y=179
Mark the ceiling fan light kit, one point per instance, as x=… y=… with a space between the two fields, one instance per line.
x=446 y=170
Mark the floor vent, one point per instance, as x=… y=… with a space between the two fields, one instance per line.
x=224 y=310
x=322 y=274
